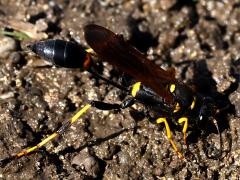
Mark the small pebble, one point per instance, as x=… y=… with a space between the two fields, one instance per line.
x=7 y=45
x=87 y=163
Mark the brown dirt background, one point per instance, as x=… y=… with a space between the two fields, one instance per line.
x=200 y=38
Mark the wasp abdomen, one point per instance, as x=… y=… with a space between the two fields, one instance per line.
x=61 y=53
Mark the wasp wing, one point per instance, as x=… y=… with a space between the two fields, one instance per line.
x=112 y=48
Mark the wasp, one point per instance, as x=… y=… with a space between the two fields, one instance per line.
x=172 y=101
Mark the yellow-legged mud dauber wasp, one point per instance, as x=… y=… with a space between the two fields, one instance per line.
x=172 y=101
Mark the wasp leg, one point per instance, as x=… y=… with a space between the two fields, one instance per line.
x=220 y=137
x=169 y=135
x=90 y=50
x=108 y=106
x=92 y=71
x=185 y=126
x=58 y=133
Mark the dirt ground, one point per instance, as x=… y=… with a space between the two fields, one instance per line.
x=199 y=38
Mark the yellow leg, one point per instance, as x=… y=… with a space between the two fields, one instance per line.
x=58 y=133
x=169 y=135
x=90 y=50
x=185 y=126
